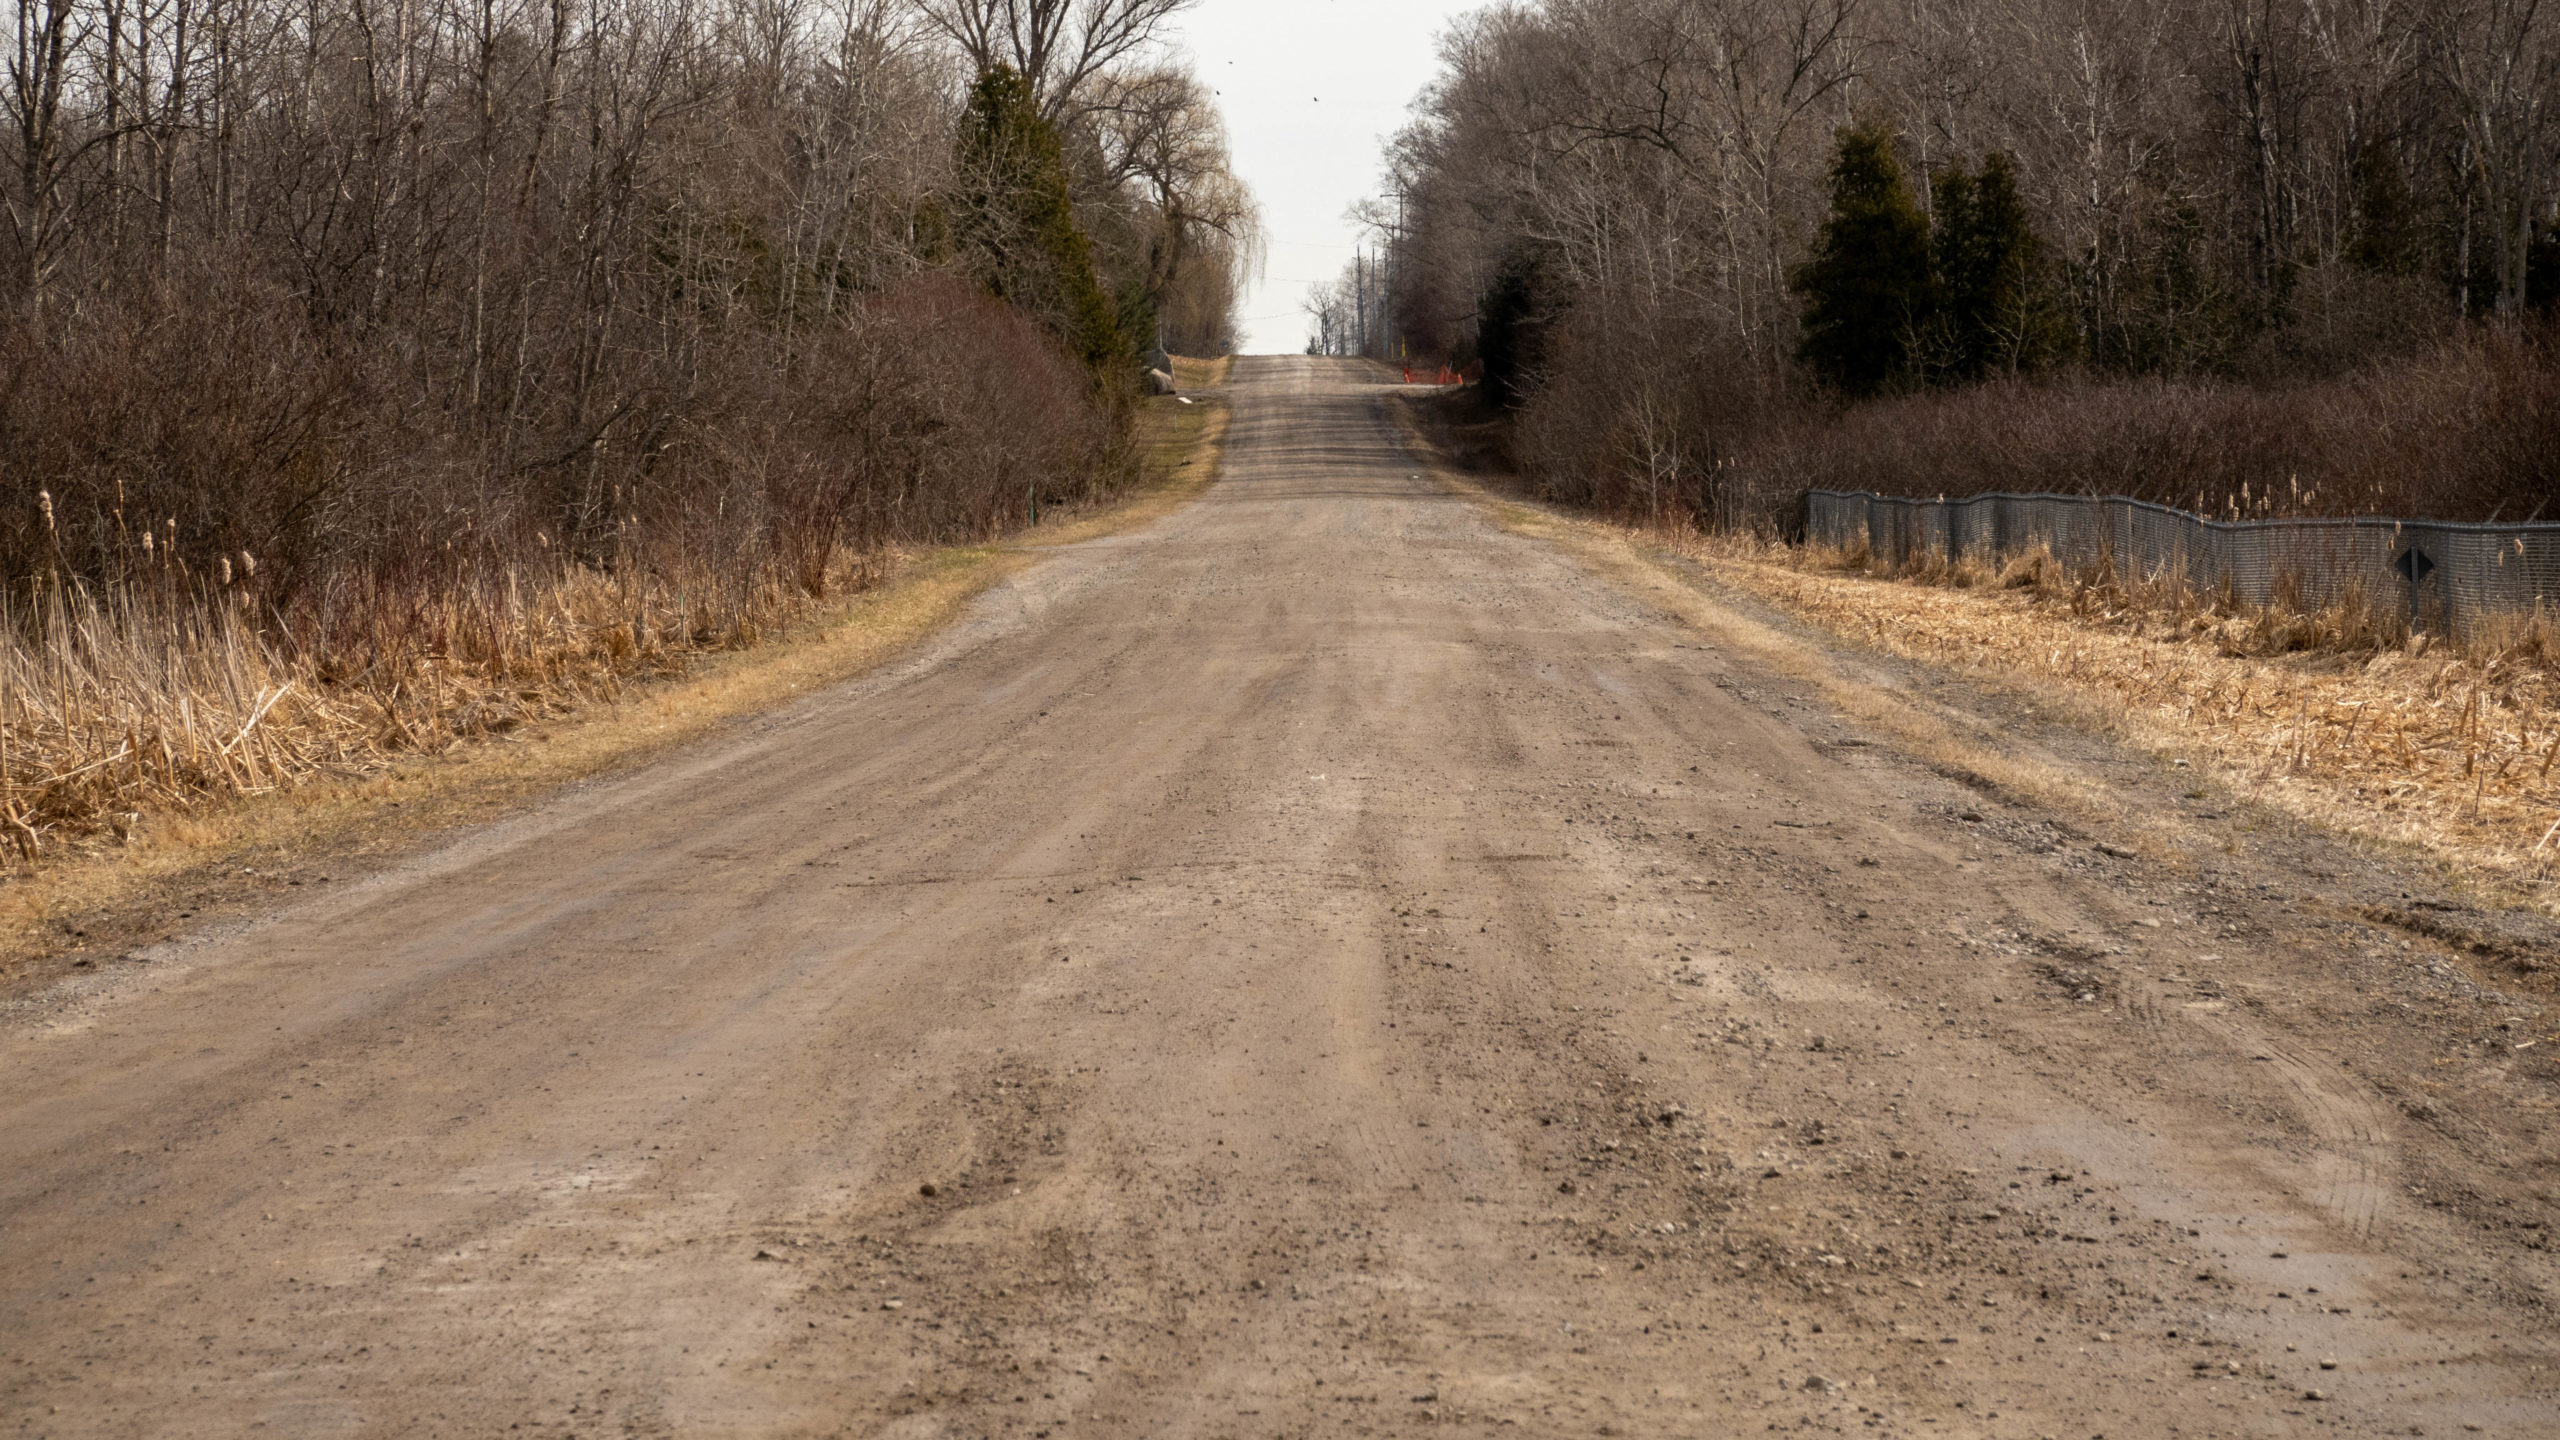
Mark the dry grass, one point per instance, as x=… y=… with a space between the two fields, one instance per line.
x=1177 y=436
x=148 y=740
x=2335 y=715
x=148 y=700
x=1193 y=373
x=134 y=703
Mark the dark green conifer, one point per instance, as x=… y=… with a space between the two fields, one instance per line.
x=1510 y=332
x=1993 y=301
x=2383 y=237
x=1013 y=223
x=1866 y=289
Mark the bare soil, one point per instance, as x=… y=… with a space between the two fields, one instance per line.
x=1324 y=964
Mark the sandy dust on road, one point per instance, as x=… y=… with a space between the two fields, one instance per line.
x=1321 y=965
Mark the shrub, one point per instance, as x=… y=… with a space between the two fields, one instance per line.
x=2469 y=431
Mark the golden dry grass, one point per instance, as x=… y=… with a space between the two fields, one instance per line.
x=1179 y=444
x=1197 y=373
x=2452 y=752
x=381 y=806
x=220 y=748
x=146 y=701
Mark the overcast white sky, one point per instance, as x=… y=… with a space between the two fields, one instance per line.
x=1311 y=88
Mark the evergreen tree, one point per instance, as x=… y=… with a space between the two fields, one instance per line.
x=1866 y=289
x=1014 y=226
x=1510 y=337
x=1139 y=319
x=2542 y=273
x=1992 y=301
x=2383 y=235
x=1950 y=347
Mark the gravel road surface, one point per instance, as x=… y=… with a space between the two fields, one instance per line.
x=1321 y=965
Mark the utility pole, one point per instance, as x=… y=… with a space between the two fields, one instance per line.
x=1360 y=301
x=1395 y=265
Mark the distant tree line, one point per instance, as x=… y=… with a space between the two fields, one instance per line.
x=1351 y=315
x=1680 y=234
x=365 y=293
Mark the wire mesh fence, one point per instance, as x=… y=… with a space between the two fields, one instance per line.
x=2449 y=579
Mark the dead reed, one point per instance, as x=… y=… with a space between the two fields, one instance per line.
x=138 y=697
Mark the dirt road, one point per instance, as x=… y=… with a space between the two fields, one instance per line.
x=1323 y=965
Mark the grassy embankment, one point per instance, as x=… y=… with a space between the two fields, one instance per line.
x=154 y=871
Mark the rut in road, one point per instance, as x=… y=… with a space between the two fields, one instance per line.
x=1323 y=965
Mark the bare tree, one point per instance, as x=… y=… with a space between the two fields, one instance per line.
x=46 y=36
x=1161 y=141
x=2500 y=63
x=1059 y=46
x=383 y=290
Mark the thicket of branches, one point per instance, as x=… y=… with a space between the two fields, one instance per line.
x=1685 y=237
x=371 y=289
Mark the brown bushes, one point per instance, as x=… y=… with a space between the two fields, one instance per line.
x=917 y=415
x=2471 y=431
x=225 y=586
x=2468 y=431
